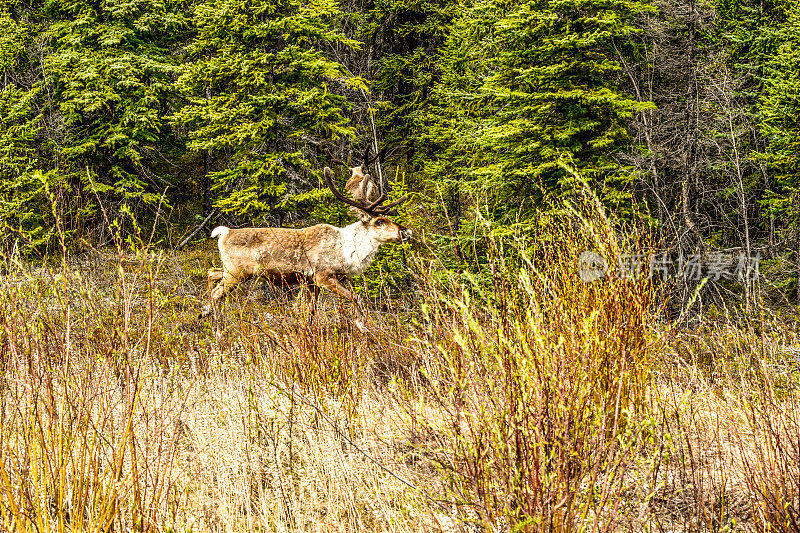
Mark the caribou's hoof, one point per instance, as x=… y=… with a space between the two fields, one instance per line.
x=205 y=311
x=360 y=325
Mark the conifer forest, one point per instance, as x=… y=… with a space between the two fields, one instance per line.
x=587 y=319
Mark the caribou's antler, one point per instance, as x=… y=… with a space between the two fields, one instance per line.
x=373 y=208
x=378 y=156
x=365 y=161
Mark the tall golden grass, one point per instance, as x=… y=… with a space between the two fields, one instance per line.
x=520 y=398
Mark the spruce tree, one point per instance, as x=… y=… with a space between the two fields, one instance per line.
x=403 y=38
x=29 y=185
x=110 y=73
x=262 y=97
x=780 y=108
x=528 y=87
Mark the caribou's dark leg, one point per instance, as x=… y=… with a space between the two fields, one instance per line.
x=331 y=282
x=314 y=298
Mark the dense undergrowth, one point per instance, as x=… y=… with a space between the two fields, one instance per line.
x=521 y=399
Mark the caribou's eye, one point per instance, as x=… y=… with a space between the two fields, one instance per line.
x=379 y=222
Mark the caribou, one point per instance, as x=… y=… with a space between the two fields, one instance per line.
x=321 y=256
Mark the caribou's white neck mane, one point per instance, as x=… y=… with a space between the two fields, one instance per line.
x=359 y=247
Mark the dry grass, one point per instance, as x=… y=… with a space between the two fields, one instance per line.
x=729 y=402
x=119 y=410
x=517 y=400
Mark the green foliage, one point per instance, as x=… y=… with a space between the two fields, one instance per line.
x=406 y=36
x=111 y=74
x=524 y=88
x=261 y=92
x=86 y=87
x=12 y=41
x=780 y=108
x=485 y=104
x=25 y=191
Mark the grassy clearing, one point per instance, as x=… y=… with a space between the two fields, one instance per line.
x=519 y=400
